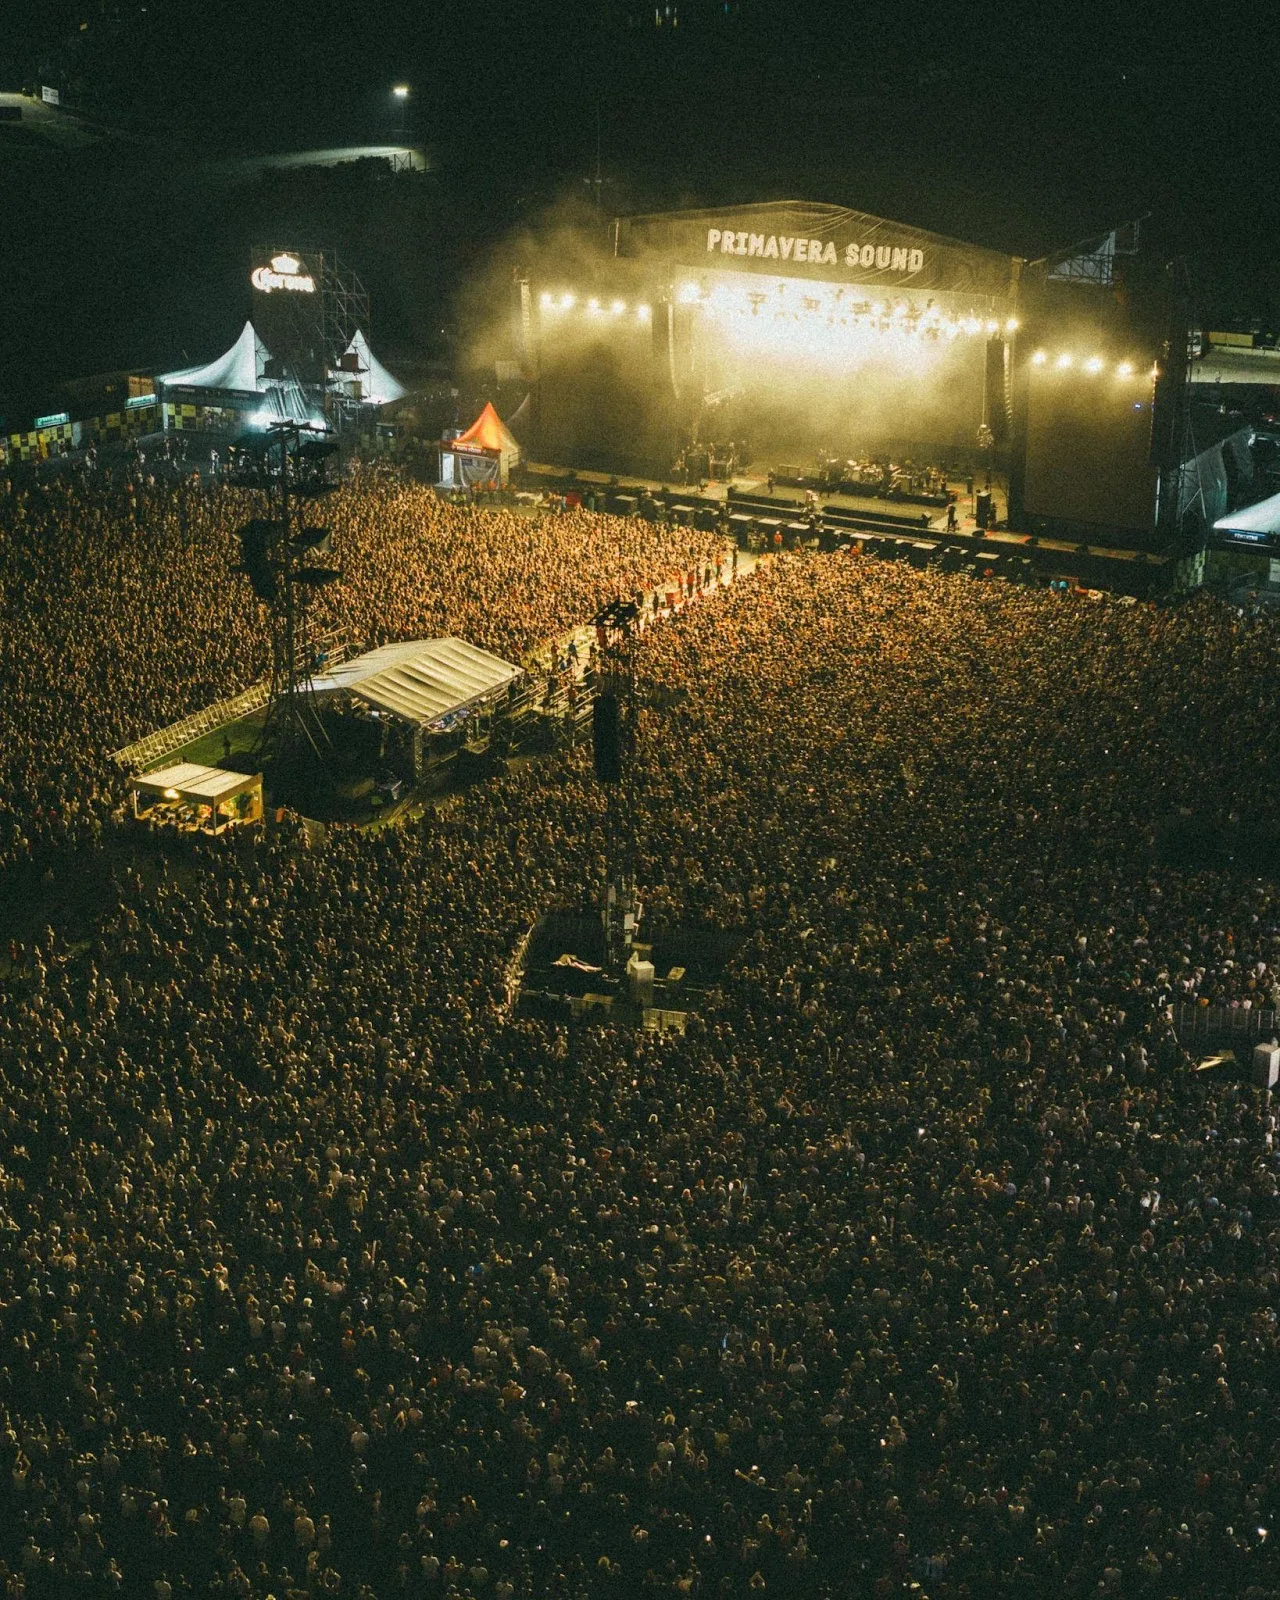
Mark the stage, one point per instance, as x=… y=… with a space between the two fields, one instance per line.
x=1121 y=569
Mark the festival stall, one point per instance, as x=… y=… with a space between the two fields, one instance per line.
x=482 y=457
x=233 y=390
x=191 y=798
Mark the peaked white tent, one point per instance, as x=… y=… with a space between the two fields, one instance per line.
x=377 y=386
x=238 y=369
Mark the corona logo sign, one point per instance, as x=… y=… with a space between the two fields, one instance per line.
x=283 y=273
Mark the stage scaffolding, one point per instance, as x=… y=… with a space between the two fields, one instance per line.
x=308 y=333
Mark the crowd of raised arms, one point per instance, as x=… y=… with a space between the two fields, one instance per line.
x=922 y=1263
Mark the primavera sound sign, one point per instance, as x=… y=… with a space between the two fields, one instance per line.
x=904 y=259
x=285 y=272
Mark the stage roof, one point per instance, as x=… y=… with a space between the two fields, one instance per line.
x=191 y=781
x=425 y=681
x=1259 y=520
x=239 y=368
x=805 y=239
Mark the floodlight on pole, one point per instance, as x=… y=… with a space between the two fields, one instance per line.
x=401 y=91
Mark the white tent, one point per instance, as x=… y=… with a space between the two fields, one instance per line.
x=429 y=682
x=239 y=368
x=377 y=386
x=1255 y=524
x=196 y=797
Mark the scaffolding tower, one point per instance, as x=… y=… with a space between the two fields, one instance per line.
x=280 y=555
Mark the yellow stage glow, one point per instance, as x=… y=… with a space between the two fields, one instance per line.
x=775 y=318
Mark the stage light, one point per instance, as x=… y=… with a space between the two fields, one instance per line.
x=618 y=307
x=567 y=302
x=644 y=312
x=993 y=327
x=544 y=300
x=401 y=91
x=593 y=304
x=1064 y=360
x=1125 y=369
x=1039 y=358
x=1093 y=364
x=1012 y=325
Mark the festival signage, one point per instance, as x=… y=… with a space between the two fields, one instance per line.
x=898 y=258
x=832 y=244
x=284 y=272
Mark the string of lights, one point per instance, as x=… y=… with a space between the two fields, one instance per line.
x=1068 y=361
x=780 y=303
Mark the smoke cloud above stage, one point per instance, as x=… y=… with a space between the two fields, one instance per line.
x=638 y=342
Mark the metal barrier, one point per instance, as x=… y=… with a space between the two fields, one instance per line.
x=1193 y=1021
x=164 y=741
x=329 y=650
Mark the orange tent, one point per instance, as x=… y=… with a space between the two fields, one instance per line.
x=489 y=432
x=487 y=437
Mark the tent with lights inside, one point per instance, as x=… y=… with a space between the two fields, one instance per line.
x=483 y=455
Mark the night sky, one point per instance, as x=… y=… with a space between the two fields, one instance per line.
x=1022 y=128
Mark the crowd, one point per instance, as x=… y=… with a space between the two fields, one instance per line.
x=119 y=611
x=923 y=1262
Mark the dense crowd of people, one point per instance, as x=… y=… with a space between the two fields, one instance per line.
x=922 y=1262
x=121 y=612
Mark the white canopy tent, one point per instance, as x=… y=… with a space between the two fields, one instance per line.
x=429 y=682
x=360 y=365
x=431 y=685
x=239 y=369
x=198 y=798
x=1257 y=524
